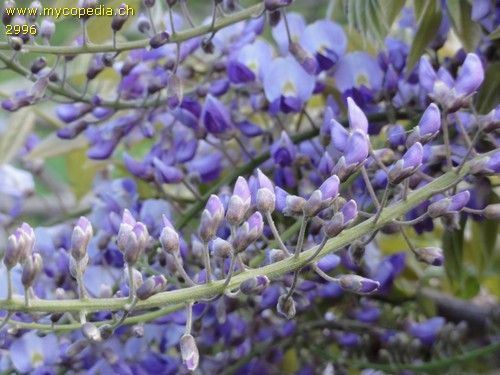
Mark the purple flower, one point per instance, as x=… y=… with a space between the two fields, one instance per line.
x=239 y=203
x=166 y=174
x=430 y=255
x=217 y=119
x=408 y=165
x=286 y=85
x=329 y=262
x=189 y=352
x=357 y=118
x=249 y=232
x=357 y=148
x=428 y=126
x=283 y=151
x=326 y=41
x=169 y=238
x=321 y=198
x=342 y=219
x=396 y=135
x=249 y=63
x=470 y=77
x=289 y=205
x=30 y=352
x=448 y=205
x=82 y=234
x=427 y=331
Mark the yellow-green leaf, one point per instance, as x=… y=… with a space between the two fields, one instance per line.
x=495 y=34
x=467 y=30
x=80 y=173
x=54 y=146
x=424 y=35
x=391 y=10
x=20 y=124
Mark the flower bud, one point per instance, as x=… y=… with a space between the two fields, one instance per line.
x=358 y=284
x=31 y=269
x=430 y=255
x=275 y=255
x=492 y=211
x=159 y=39
x=265 y=201
x=254 y=285
x=38 y=64
x=189 y=352
x=82 y=234
x=138 y=330
x=274 y=18
x=211 y=218
x=47 y=29
x=248 y=233
x=174 y=91
x=136 y=244
x=427 y=127
x=304 y=58
x=76 y=347
x=35 y=10
x=169 y=238
x=143 y=24
x=222 y=248
x=118 y=20
x=83 y=265
x=106 y=331
x=7 y=15
x=408 y=165
x=151 y=286
x=126 y=227
x=207 y=45
x=91 y=332
x=486 y=166
x=137 y=275
x=273 y=5
x=342 y=219
x=448 y=205
x=15 y=244
x=29 y=242
x=286 y=307
x=16 y=43
x=357 y=252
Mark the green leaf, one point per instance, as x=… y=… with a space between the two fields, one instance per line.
x=361 y=20
x=19 y=127
x=420 y=8
x=424 y=35
x=453 y=247
x=54 y=146
x=484 y=238
x=80 y=173
x=489 y=93
x=391 y=9
x=467 y=30
x=495 y=34
x=376 y=21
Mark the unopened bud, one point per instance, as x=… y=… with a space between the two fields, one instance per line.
x=492 y=211
x=274 y=18
x=275 y=255
x=254 y=285
x=430 y=255
x=16 y=43
x=91 y=332
x=118 y=20
x=151 y=286
x=82 y=234
x=138 y=330
x=207 y=46
x=31 y=269
x=273 y=5
x=222 y=248
x=286 y=307
x=38 y=64
x=76 y=347
x=47 y=29
x=174 y=91
x=169 y=239
x=159 y=39
x=189 y=352
x=106 y=331
x=83 y=265
x=143 y=24
x=358 y=284
x=15 y=243
x=265 y=200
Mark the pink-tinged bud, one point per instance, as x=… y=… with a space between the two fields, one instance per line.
x=151 y=286
x=169 y=238
x=189 y=352
x=82 y=234
x=266 y=200
x=449 y=205
x=91 y=332
x=136 y=243
x=254 y=285
x=430 y=255
x=492 y=211
x=304 y=58
x=15 y=245
x=286 y=307
x=408 y=165
x=31 y=269
x=29 y=242
x=222 y=249
x=358 y=284
x=211 y=218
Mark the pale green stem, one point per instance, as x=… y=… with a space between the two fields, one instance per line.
x=208 y=266
x=302 y=234
x=276 y=235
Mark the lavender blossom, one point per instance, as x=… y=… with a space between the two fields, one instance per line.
x=211 y=218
